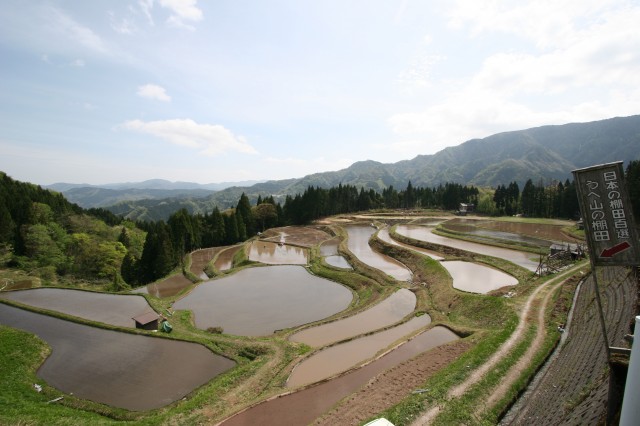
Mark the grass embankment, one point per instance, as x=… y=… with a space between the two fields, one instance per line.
x=488 y=321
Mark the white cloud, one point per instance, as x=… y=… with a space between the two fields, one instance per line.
x=73 y=31
x=183 y=11
x=153 y=91
x=78 y=63
x=209 y=139
x=580 y=64
x=145 y=7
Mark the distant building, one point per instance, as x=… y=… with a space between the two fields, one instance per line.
x=464 y=208
x=147 y=321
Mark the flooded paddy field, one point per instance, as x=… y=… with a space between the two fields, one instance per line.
x=383 y=234
x=224 y=261
x=488 y=229
x=329 y=250
x=341 y=357
x=200 y=259
x=304 y=406
x=123 y=370
x=165 y=288
x=114 y=309
x=338 y=262
x=358 y=244
x=391 y=310
x=548 y=232
x=330 y=247
x=466 y=276
x=258 y=301
x=423 y=233
x=277 y=254
x=476 y=278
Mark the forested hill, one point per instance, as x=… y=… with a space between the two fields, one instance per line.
x=43 y=233
x=541 y=154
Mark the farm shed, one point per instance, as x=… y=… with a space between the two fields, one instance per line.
x=147 y=321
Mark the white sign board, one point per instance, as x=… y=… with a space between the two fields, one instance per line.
x=608 y=219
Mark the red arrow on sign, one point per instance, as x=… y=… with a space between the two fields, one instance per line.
x=609 y=252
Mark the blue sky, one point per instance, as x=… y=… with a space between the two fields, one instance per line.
x=217 y=91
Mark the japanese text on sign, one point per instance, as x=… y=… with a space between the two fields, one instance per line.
x=607 y=214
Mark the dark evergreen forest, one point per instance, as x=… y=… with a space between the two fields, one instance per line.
x=43 y=234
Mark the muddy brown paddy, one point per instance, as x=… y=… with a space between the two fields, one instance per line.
x=123 y=370
x=259 y=301
x=389 y=311
x=114 y=309
x=302 y=407
x=336 y=359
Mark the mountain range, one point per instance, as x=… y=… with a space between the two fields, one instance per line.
x=544 y=153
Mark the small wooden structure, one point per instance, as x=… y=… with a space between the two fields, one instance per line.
x=465 y=208
x=147 y=321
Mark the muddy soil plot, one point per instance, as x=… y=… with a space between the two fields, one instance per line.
x=297 y=235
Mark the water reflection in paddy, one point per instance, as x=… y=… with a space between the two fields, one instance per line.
x=383 y=234
x=120 y=369
x=423 y=233
x=329 y=247
x=303 y=407
x=224 y=261
x=389 y=311
x=258 y=301
x=470 y=226
x=358 y=244
x=475 y=278
x=338 y=262
x=277 y=254
x=114 y=309
x=165 y=288
x=339 y=358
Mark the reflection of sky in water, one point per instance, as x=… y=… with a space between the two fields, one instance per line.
x=258 y=301
x=385 y=313
x=423 y=233
x=358 y=244
x=338 y=262
x=475 y=278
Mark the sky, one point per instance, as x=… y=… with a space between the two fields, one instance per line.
x=213 y=91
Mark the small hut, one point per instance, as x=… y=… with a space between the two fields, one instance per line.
x=147 y=321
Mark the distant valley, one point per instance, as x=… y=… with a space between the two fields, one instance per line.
x=544 y=153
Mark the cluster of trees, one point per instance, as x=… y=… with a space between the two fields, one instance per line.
x=318 y=202
x=166 y=243
x=557 y=200
x=41 y=231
